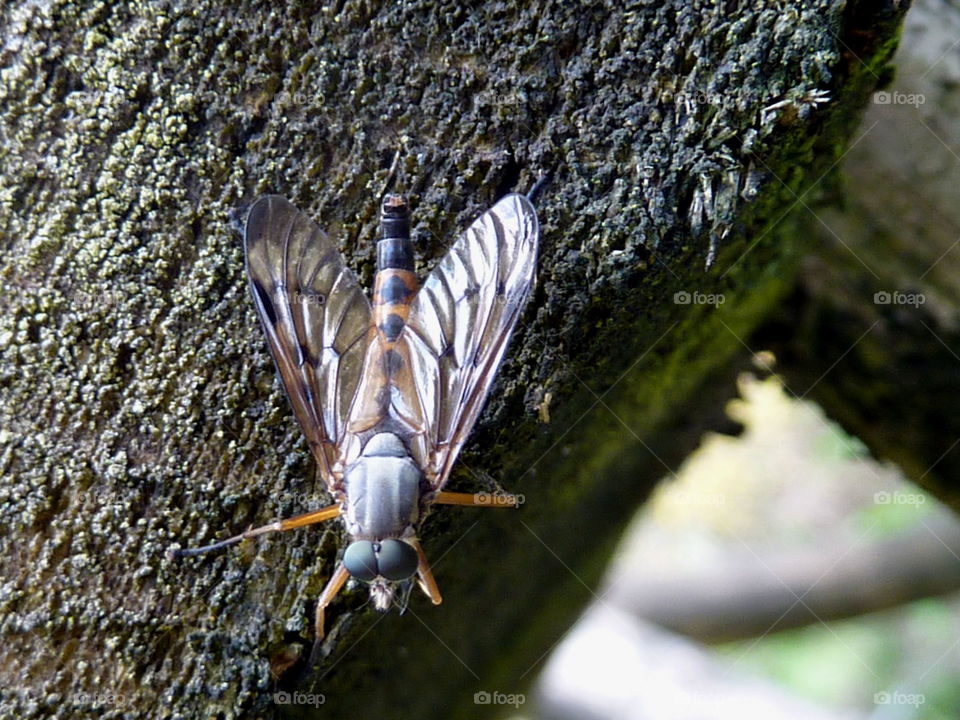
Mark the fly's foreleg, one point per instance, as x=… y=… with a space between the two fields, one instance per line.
x=425 y=575
x=336 y=582
x=298 y=521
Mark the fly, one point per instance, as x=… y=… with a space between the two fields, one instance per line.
x=386 y=392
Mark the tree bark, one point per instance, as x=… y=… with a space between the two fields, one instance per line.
x=871 y=330
x=139 y=404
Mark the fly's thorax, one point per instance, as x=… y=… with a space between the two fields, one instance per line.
x=383 y=488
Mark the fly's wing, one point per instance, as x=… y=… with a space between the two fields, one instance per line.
x=316 y=317
x=461 y=321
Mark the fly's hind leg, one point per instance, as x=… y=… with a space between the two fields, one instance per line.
x=298 y=521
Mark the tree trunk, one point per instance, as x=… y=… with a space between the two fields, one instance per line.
x=139 y=404
x=871 y=331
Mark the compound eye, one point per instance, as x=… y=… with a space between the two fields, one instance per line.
x=396 y=560
x=360 y=560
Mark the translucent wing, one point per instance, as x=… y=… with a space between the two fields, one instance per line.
x=316 y=317
x=460 y=324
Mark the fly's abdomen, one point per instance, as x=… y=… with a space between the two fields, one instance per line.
x=396 y=283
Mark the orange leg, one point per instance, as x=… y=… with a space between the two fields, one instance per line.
x=336 y=582
x=309 y=518
x=483 y=499
x=425 y=575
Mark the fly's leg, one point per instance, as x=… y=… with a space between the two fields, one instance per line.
x=333 y=587
x=483 y=499
x=309 y=518
x=425 y=574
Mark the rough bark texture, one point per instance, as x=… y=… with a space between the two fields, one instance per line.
x=872 y=329
x=139 y=405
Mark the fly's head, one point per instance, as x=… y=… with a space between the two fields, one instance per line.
x=381 y=563
x=381 y=592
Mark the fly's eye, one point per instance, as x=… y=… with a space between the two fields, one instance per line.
x=360 y=560
x=396 y=560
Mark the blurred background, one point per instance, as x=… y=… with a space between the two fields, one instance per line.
x=780 y=574
x=786 y=573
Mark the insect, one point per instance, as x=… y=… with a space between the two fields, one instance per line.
x=386 y=392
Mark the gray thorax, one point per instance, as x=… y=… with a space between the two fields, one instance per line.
x=382 y=489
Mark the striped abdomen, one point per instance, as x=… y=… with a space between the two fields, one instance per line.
x=396 y=284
